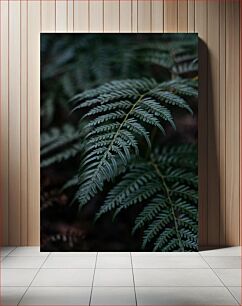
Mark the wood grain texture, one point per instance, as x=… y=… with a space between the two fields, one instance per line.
x=222 y=120
x=70 y=15
x=125 y=16
x=4 y=162
x=191 y=15
x=240 y=129
x=144 y=16
x=213 y=123
x=61 y=15
x=182 y=16
x=81 y=16
x=201 y=28
x=24 y=123
x=171 y=15
x=111 y=16
x=157 y=16
x=134 y=16
x=96 y=15
x=14 y=122
x=48 y=16
x=217 y=24
x=232 y=122
x=33 y=212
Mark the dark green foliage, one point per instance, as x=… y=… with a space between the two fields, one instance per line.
x=121 y=106
x=59 y=144
x=166 y=186
x=124 y=112
x=74 y=65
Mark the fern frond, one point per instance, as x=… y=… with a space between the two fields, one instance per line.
x=164 y=240
x=181 y=87
x=170 y=98
x=150 y=211
x=135 y=180
x=123 y=113
x=70 y=183
x=167 y=190
x=59 y=145
x=113 y=90
x=163 y=220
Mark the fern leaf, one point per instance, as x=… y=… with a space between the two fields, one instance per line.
x=130 y=188
x=122 y=112
x=150 y=211
x=156 y=226
x=169 y=198
x=170 y=98
x=164 y=239
x=59 y=145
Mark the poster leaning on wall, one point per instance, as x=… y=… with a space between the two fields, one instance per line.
x=119 y=142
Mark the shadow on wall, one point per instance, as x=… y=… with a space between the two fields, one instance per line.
x=211 y=225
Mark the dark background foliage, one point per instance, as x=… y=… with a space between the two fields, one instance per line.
x=71 y=64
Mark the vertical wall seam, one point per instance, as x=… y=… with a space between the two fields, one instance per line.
x=119 y=16
x=8 y=131
x=151 y=5
x=225 y=170
x=73 y=7
x=137 y=19
x=187 y=15
x=195 y=28
x=27 y=123
x=1 y=157
x=219 y=85
x=240 y=121
x=207 y=112
x=20 y=130
x=177 y=16
x=103 y=14
x=219 y=142
x=131 y=16
x=88 y=19
x=67 y=19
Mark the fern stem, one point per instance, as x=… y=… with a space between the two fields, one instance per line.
x=170 y=202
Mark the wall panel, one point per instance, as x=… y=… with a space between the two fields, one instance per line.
x=217 y=23
x=182 y=15
x=70 y=15
x=96 y=16
x=201 y=28
x=14 y=121
x=144 y=16
x=111 y=16
x=48 y=15
x=171 y=15
x=61 y=16
x=125 y=15
x=191 y=15
x=81 y=16
x=33 y=213
x=157 y=16
x=24 y=122
x=232 y=122
x=222 y=120
x=213 y=123
x=134 y=19
x=4 y=154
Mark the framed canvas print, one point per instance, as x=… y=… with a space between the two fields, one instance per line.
x=119 y=142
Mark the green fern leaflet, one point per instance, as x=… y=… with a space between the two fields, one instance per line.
x=121 y=114
x=166 y=186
